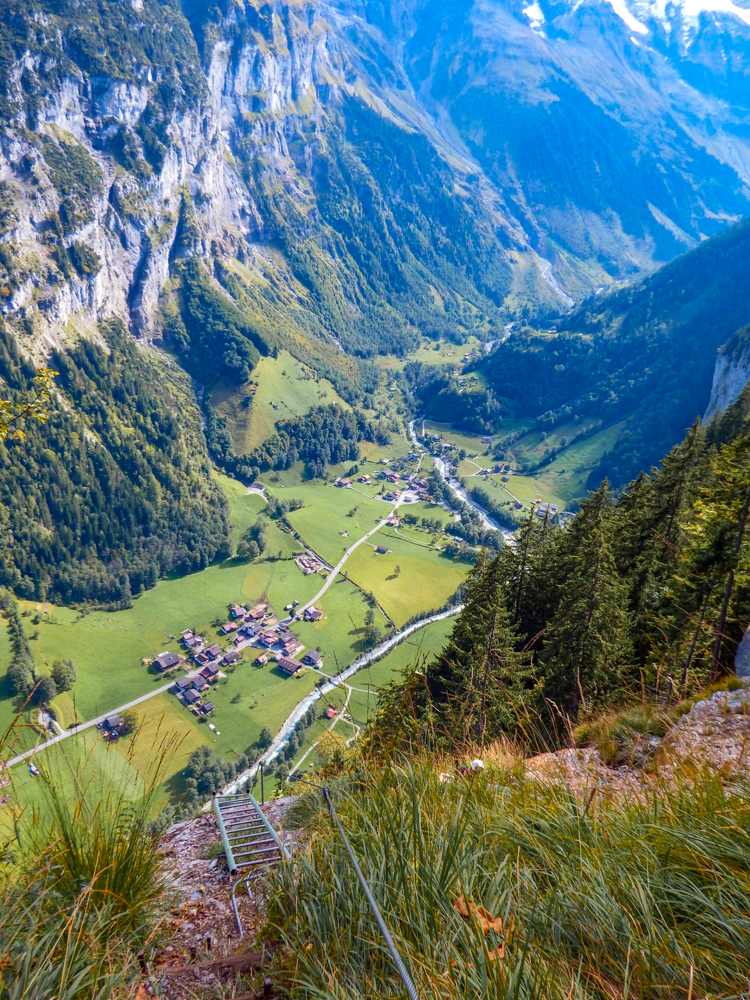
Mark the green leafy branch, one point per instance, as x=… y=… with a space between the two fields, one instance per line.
x=33 y=404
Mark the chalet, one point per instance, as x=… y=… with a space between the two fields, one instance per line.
x=256 y=614
x=190 y=697
x=112 y=725
x=330 y=712
x=200 y=683
x=201 y=658
x=194 y=643
x=181 y=684
x=345 y=482
x=268 y=638
x=312 y=658
x=237 y=612
x=288 y=665
x=228 y=627
x=213 y=652
x=313 y=615
x=393 y=522
x=365 y=479
x=229 y=658
x=207 y=708
x=260 y=660
x=210 y=672
x=187 y=633
x=291 y=645
x=381 y=550
x=392 y=478
x=487 y=440
x=165 y=661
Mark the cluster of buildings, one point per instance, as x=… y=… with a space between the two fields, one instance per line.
x=309 y=563
x=543 y=509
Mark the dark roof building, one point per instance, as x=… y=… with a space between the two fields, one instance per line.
x=312 y=657
x=112 y=724
x=181 y=684
x=213 y=651
x=210 y=670
x=191 y=696
x=231 y=657
x=165 y=661
x=207 y=708
x=288 y=665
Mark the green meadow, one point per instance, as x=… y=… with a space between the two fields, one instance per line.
x=280 y=388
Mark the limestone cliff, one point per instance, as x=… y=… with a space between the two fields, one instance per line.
x=731 y=374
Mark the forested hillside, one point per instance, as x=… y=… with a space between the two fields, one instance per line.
x=114 y=490
x=644 y=354
x=642 y=591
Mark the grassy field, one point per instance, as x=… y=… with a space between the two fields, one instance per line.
x=425 y=643
x=280 y=388
x=427 y=578
x=324 y=516
x=472 y=443
x=338 y=635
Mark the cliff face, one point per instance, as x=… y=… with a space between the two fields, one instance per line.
x=731 y=374
x=357 y=157
x=108 y=182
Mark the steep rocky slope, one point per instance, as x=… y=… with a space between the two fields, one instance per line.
x=361 y=169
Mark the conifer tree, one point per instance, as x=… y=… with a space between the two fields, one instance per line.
x=480 y=682
x=587 y=649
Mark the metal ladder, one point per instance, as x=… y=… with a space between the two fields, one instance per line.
x=250 y=842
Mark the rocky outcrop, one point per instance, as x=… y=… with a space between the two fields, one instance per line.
x=731 y=373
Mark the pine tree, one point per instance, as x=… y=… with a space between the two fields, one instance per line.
x=587 y=648
x=480 y=683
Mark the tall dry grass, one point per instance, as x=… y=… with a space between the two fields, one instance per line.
x=599 y=898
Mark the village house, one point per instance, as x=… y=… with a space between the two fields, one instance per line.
x=367 y=480
x=256 y=614
x=191 y=697
x=268 y=638
x=262 y=659
x=312 y=658
x=165 y=661
x=181 y=684
x=200 y=683
x=231 y=657
x=195 y=643
x=237 y=612
x=213 y=652
x=330 y=712
x=228 y=627
x=381 y=550
x=288 y=665
x=112 y=725
x=210 y=673
x=291 y=645
x=207 y=708
x=313 y=615
x=201 y=658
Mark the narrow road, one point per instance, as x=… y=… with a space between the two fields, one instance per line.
x=337 y=568
x=92 y=722
x=455 y=487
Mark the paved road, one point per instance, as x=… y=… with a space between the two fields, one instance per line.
x=337 y=568
x=92 y=722
x=455 y=486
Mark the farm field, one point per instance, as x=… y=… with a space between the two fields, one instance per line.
x=324 y=516
x=472 y=443
x=427 y=578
